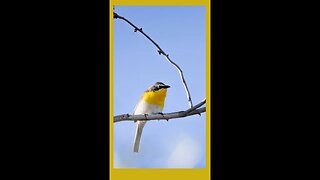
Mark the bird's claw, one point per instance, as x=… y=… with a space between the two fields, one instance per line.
x=162 y=116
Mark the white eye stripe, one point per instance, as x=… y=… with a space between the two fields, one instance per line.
x=163 y=86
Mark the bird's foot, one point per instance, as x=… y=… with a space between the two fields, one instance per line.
x=162 y=116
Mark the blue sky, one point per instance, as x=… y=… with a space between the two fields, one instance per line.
x=180 y=32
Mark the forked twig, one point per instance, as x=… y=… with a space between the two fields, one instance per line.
x=160 y=51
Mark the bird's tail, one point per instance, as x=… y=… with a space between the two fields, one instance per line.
x=140 y=125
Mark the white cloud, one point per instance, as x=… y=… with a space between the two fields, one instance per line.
x=186 y=154
x=117 y=163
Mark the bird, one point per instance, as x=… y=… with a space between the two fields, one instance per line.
x=151 y=102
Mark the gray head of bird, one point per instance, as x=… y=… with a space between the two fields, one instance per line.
x=158 y=86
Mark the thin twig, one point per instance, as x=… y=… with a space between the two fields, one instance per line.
x=160 y=51
x=164 y=116
x=196 y=106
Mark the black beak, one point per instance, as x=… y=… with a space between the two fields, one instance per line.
x=165 y=86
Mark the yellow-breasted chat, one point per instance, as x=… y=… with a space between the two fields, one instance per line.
x=151 y=102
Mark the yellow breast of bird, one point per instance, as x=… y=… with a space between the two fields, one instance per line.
x=151 y=102
x=155 y=97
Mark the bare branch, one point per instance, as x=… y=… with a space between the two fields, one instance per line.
x=162 y=116
x=160 y=51
x=182 y=79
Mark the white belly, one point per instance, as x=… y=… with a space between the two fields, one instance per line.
x=146 y=108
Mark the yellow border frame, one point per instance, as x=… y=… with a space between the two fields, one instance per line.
x=168 y=173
